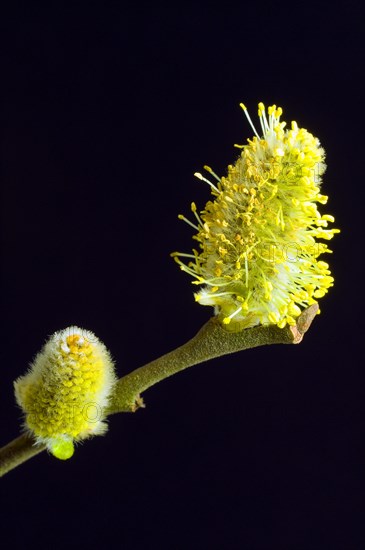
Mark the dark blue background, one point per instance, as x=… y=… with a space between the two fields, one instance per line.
x=106 y=113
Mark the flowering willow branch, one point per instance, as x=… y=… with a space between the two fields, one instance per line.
x=266 y=206
x=210 y=342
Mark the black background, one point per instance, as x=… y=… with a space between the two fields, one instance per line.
x=107 y=110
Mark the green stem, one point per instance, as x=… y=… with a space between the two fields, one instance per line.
x=211 y=341
x=18 y=451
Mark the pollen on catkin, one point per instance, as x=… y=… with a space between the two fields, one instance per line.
x=66 y=390
x=261 y=234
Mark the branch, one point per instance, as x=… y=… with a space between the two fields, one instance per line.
x=210 y=342
x=18 y=451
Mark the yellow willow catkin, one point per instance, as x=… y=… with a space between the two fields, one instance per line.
x=260 y=236
x=66 y=390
